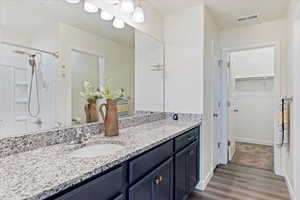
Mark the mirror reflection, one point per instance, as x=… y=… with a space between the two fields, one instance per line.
x=51 y=50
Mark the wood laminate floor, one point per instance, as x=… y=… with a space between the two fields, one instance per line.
x=235 y=182
x=254 y=155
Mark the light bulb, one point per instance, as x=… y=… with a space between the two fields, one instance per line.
x=112 y=2
x=118 y=23
x=138 y=15
x=127 y=6
x=72 y=1
x=90 y=7
x=106 y=15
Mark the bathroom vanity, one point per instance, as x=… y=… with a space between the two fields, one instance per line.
x=166 y=172
x=156 y=160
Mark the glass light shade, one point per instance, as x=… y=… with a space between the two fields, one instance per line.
x=72 y=1
x=118 y=23
x=138 y=15
x=127 y=6
x=112 y=2
x=90 y=7
x=106 y=15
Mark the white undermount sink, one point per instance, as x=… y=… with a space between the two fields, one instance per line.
x=96 y=150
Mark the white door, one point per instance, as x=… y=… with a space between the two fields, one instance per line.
x=217 y=92
x=231 y=112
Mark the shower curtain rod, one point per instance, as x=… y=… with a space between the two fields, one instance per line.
x=55 y=54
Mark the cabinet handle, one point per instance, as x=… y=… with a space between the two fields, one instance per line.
x=190 y=138
x=158 y=180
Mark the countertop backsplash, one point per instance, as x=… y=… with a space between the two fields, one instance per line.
x=31 y=141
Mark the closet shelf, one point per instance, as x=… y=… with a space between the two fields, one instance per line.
x=21 y=101
x=253 y=78
x=21 y=119
x=22 y=84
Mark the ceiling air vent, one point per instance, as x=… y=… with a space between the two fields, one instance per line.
x=249 y=17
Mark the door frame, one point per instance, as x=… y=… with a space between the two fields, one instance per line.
x=225 y=100
x=102 y=72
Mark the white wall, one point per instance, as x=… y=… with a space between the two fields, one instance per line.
x=260 y=34
x=253 y=63
x=183 y=34
x=291 y=159
x=119 y=63
x=149 y=84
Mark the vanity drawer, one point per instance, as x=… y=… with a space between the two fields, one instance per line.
x=185 y=139
x=108 y=186
x=142 y=165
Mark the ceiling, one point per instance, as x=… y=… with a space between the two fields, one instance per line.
x=226 y=12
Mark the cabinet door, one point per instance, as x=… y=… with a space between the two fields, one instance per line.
x=181 y=174
x=158 y=185
x=192 y=167
x=164 y=181
x=144 y=189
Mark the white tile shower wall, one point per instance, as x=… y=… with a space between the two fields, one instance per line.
x=16 y=82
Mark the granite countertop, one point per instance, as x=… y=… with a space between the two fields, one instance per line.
x=42 y=172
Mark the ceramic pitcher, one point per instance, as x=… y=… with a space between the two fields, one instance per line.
x=110 y=117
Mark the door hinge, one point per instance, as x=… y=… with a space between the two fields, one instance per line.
x=228 y=103
x=229 y=143
x=219 y=104
x=219 y=145
x=228 y=64
x=220 y=63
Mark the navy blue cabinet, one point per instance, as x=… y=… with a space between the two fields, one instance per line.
x=167 y=172
x=158 y=185
x=186 y=169
x=110 y=186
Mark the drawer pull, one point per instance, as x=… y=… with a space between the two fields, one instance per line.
x=158 y=180
x=191 y=138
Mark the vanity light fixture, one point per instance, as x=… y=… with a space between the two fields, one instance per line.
x=72 y=1
x=106 y=15
x=112 y=2
x=90 y=7
x=138 y=15
x=127 y=6
x=119 y=24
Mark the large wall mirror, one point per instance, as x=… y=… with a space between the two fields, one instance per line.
x=52 y=51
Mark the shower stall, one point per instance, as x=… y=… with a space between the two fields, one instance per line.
x=27 y=86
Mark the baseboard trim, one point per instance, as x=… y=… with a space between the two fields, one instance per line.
x=203 y=183
x=289 y=186
x=253 y=141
